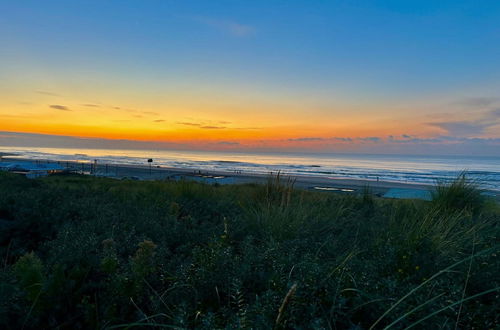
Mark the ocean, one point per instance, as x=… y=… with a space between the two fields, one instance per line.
x=393 y=168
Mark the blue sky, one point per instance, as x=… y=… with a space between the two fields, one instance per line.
x=378 y=45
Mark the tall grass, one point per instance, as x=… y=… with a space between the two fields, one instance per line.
x=460 y=194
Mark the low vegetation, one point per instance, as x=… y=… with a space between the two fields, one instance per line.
x=81 y=252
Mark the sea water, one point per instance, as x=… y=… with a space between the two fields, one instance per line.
x=394 y=168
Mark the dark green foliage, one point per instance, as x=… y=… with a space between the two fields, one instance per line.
x=29 y=272
x=82 y=252
x=460 y=194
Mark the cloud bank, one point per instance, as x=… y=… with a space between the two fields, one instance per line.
x=470 y=128
x=400 y=144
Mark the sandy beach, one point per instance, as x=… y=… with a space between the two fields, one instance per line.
x=308 y=182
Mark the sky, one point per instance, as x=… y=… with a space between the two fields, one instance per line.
x=321 y=76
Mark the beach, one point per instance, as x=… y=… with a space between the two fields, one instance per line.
x=308 y=182
x=384 y=176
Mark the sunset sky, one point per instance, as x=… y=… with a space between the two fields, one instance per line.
x=348 y=76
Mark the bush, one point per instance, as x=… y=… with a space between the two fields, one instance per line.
x=29 y=272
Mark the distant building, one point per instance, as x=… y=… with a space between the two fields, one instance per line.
x=31 y=170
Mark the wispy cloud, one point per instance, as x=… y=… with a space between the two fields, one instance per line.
x=47 y=93
x=306 y=139
x=158 y=121
x=208 y=124
x=122 y=108
x=228 y=143
x=188 y=124
x=233 y=28
x=59 y=107
x=342 y=139
x=212 y=127
x=370 y=139
x=91 y=105
x=336 y=139
x=463 y=128
x=477 y=102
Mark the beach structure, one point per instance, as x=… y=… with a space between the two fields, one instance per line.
x=150 y=161
x=31 y=170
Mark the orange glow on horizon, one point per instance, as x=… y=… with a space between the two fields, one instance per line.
x=246 y=126
x=290 y=134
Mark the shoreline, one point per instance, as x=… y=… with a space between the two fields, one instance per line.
x=386 y=189
x=156 y=172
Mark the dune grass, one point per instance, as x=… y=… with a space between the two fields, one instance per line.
x=462 y=193
x=84 y=252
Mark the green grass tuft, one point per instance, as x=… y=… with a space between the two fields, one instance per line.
x=460 y=194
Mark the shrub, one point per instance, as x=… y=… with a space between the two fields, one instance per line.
x=30 y=274
x=142 y=262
